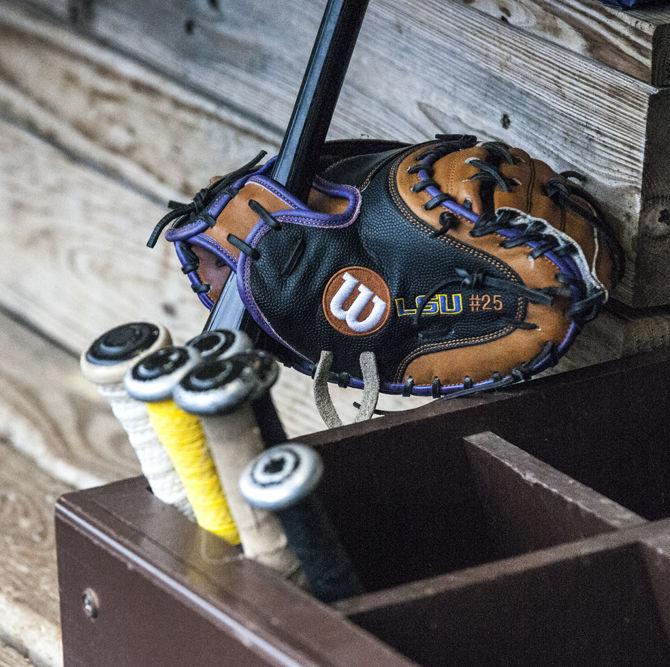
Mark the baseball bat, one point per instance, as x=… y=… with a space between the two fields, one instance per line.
x=220 y=343
x=224 y=343
x=104 y=364
x=262 y=405
x=283 y=480
x=311 y=117
x=220 y=392
x=152 y=380
x=320 y=89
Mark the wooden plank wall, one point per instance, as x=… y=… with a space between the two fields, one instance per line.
x=635 y=42
x=441 y=73
x=96 y=134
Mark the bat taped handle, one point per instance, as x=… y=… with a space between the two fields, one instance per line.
x=154 y=460
x=234 y=440
x=267 y=418
x=184 y=440
x=283 y=480
x=325 y=562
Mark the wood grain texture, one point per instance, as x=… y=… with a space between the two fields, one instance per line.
x=616 y=333
x=29 y=615
x=584 y=116
x=134 y=124
x=98 y=260
x=79 y=261
x=634 y=42
x=10 y=657
x=53 y=416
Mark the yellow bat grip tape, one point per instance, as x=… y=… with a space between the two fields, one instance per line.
x=182 y=436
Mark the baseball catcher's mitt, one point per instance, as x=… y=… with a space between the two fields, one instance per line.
x=460 y=266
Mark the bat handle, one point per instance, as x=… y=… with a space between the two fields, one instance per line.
x=282 y=480
x=221 y=391
x=328 y=63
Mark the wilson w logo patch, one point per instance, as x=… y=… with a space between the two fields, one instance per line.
x=356 y=301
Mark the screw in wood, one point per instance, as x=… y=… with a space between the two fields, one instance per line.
x=90 y=603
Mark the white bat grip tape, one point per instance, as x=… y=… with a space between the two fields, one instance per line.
x=154 y=460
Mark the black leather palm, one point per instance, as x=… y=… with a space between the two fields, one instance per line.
x=391 y=241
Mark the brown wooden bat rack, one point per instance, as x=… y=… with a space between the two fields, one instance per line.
x=546 y=543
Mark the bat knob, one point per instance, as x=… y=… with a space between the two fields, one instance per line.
x=220 y=343
x=110 y=355
x=216 y=386
x=281 y=477
x=154 y=377
x=264 y=367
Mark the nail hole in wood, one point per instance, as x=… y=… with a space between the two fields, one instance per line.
x=505 y=121
x=189 y=26
x=73 y=12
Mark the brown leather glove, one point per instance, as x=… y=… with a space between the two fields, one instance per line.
x=459 y=266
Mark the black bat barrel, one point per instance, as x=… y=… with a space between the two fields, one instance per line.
x=282 y=480
x=320 y=89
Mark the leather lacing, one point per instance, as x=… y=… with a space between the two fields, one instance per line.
x=187 y=213
x=182 y=214
x=525 y=371
x=562 y=191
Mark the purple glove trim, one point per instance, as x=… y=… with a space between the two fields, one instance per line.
x=211 y=245
x=450 y=205
x=205 y=301
x=214 y=209
x=301 y=215
x=565 y=265
x=198 y=225
x=297 y=213
x=194 y=279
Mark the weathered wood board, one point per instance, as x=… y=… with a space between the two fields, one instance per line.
x=50 y=414
x=91 y=248
x=29 y=616
x=85 y=239
x=79 y=262
x=616 y=333
x=10 y=657
x=580 y=116
x=111 y=113
x=634 y=42
x=92 y=144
